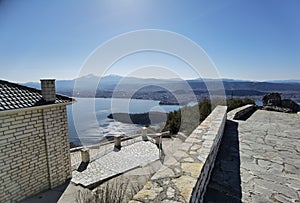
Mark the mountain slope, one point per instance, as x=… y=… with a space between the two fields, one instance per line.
x=162 y=88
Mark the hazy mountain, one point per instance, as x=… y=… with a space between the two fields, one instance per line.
x=35 y=85
x=84 y=82
x=284 y=81
x=221 y=79
x=161 y=89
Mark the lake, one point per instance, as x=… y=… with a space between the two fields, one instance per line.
x=88 y=122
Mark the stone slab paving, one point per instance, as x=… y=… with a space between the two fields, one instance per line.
x=97 y=151
x=117 y=162
x=259 y=160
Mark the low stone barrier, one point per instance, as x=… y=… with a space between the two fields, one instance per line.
x=185 y=175
x=242 y=113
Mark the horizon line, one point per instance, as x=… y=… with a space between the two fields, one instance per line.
x=137 y=77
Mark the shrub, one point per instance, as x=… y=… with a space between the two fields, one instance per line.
x=117 y=191
x=238 y=102
x=193 y=115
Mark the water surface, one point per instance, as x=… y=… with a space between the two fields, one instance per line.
x=88 y=122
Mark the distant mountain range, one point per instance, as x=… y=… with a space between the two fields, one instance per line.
x=163 y=89
x=284 y=81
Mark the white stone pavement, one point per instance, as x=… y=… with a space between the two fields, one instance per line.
x=99 y=150
x=113 y=163
x=259 y=160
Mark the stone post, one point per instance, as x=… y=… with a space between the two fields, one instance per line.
x=157 y=138
x=144 y=134
x=118 y=141
x=158 y=142
x=85 y=155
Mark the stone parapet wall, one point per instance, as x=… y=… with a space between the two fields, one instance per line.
x=242 y=113
x=185 y=175
x=34 y=151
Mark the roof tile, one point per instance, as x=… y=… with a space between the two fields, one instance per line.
x=15 y=96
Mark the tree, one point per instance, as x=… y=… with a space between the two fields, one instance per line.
x=204 y=109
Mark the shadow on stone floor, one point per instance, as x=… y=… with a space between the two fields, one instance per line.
x=225 y=181
x=48 y=196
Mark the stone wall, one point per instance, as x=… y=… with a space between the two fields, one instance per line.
x=184 y=176
x=34 y=151
x=242 y=113
x=57 y=145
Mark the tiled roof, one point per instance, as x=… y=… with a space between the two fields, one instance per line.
x=15 y=96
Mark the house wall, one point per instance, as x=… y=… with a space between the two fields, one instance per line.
x=34 y=151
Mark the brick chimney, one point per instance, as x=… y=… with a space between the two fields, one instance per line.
x=48 y=90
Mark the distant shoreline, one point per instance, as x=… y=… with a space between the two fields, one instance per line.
x=168 y=103
x=147 y=118
x=255 y=97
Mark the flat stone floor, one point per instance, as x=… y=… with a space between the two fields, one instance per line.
x=98 y=151
x=114 y=163
x=258 y=161
x=69 y=192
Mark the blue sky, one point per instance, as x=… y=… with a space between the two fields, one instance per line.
x=253 y=40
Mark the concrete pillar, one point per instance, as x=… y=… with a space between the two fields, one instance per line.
x=144 y=134
x=48 y=90
x=118 y=141
x=85 y=155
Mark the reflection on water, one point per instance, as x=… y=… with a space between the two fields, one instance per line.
x=258 y=102
x=89 y=123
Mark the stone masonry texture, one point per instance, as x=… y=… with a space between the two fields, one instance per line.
x=258 y=161
x=48 y=90
x=34 y=151
x=184 y=175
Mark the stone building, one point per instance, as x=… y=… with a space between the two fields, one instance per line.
x=34 y=144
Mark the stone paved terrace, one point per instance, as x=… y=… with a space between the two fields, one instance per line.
x=258 y=161
x=133 y=154
x=98 y=150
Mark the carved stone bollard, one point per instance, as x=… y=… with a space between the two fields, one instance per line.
x=144 y=134
x=157 y=138
x=85 y=155
x=118 y=141
x=158 y=142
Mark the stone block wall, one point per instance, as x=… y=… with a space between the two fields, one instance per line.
x=242 y=113
x=48 y=90
x=34 y=151
x=185 y=175
x=57 y=145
